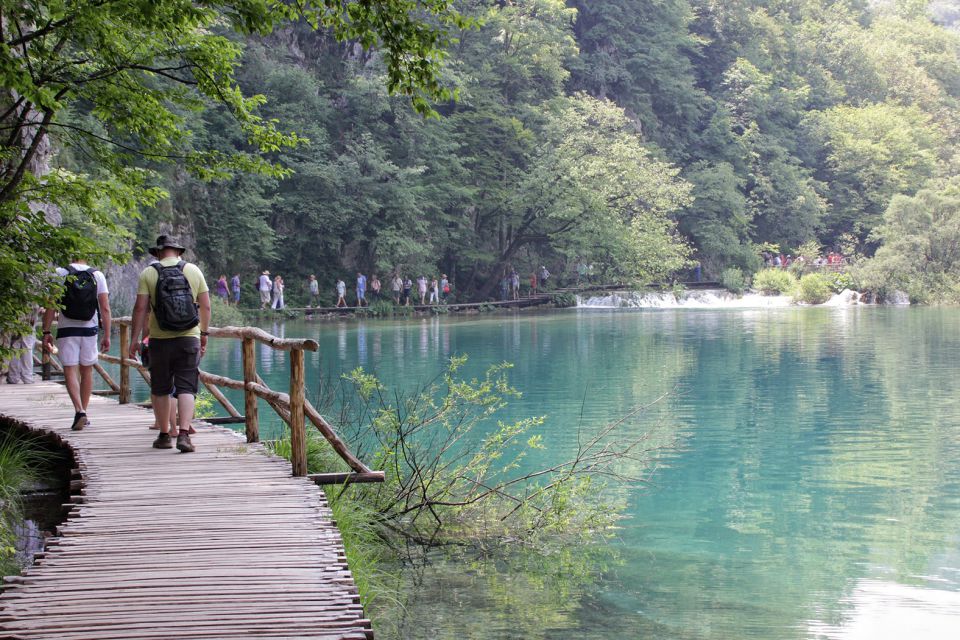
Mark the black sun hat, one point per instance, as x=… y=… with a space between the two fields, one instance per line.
x=166 y=242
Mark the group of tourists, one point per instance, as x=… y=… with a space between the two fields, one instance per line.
x=171 y=313
x=781 y=261
x=271 y=291
x=433 y=290
x=400 y=287
x=229 y=293
x=510 y=283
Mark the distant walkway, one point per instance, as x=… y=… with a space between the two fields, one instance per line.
x=221 y=543
x=524 y=301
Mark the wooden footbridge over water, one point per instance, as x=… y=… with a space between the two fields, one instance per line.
x=226 y=542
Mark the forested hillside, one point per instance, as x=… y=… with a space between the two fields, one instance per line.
x=632 y=134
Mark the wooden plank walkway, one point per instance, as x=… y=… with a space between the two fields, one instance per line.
x=221 y=543
x=526 y=301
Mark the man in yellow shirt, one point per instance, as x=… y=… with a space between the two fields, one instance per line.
x=178 y=335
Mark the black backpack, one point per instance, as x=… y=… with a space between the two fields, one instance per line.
x=79 y=300
x=173 y=302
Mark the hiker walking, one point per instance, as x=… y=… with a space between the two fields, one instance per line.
x=422 y=289
x=361 y=289
x=396 y=285
x=235 y=287
x=444 y=288
x=341 y=292
x=265 y=287
x=21 y=366
x=223 y=291
x=314 y=291
x=176 y=293
x=434 y=291
x=277 y=293
x=84 y=312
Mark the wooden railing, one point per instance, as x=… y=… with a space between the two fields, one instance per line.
x=293 y=408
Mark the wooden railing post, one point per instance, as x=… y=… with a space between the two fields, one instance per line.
x=298 y=432
x=249 y=397
x=124 y=367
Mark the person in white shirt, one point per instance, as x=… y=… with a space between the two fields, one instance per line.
x=422 y=289
x=265 y=287
x=77 y=336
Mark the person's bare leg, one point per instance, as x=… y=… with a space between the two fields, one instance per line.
x=71 y=375
x=185 y=405
x=162 y=407
x=161 y=411
x=173 y=417
x=86 y=385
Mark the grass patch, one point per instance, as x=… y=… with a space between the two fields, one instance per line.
x=23 y=461
x=362 y=540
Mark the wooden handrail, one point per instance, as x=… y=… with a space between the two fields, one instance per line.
x=293 y=408
x=280 y=344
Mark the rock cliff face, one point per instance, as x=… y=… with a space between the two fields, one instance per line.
x=122 y=280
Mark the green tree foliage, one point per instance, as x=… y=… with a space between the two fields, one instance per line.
x=117 y=86
x=920 y=252
x=623 y=132
x=513 y=175
x=871 y=154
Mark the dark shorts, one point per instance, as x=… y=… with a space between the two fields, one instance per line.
x=174 y=363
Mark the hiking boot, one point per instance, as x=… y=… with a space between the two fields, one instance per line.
x=79 y=422
x=163 y=441
x=184 y=444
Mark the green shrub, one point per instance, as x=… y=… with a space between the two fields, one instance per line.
x=381 y=308
x=224 y=315
x=814 y=289
x=733 y=280
x=774 y=281
x=842 y=280
x=22 y=460
x=563 y=300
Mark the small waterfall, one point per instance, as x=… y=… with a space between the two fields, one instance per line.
x=695 y=299
x=897 y=298
x=843 y=299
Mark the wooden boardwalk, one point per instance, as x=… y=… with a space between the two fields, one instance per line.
x=221 y=543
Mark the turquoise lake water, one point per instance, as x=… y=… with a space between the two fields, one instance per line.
x=803 y=482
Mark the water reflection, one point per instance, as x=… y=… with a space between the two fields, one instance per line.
x=805 y=466
x=879 y=610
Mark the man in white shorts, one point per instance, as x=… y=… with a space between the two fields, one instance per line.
x=84 y=313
